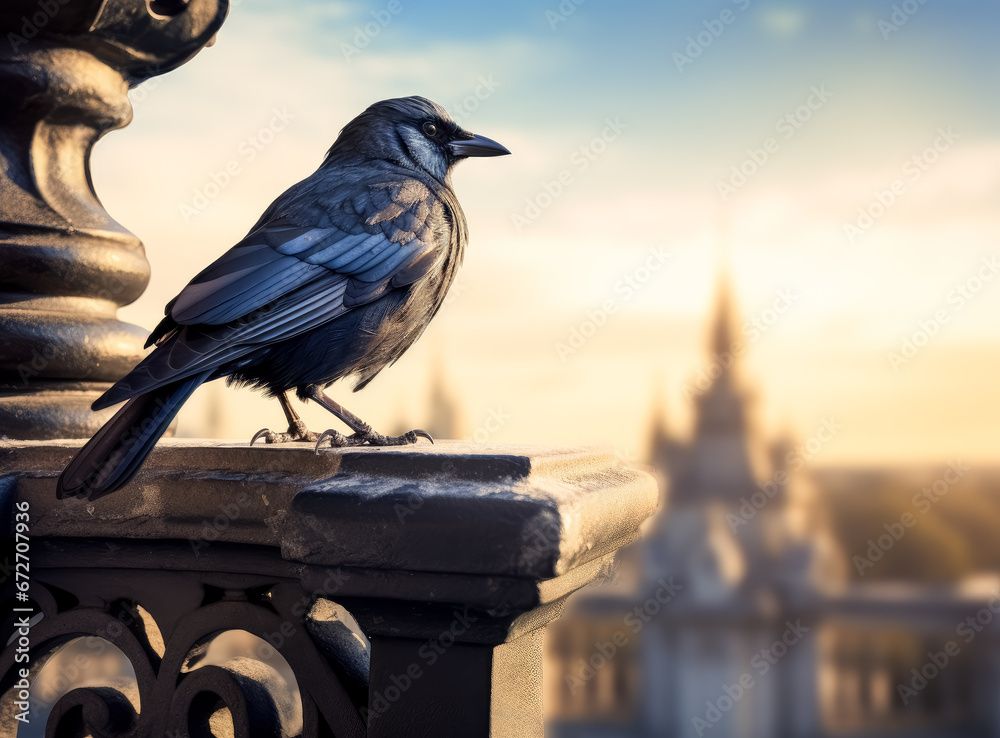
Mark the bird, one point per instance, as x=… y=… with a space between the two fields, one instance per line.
x=336 y=280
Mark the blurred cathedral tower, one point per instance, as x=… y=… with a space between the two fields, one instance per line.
x=744 y=545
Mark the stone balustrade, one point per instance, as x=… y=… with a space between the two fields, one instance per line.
x=407 y=590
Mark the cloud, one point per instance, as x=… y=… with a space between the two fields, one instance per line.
x=782 y=20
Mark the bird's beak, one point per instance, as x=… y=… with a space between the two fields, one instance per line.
x=477 y=146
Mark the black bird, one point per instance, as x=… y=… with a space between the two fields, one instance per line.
x=341 y=274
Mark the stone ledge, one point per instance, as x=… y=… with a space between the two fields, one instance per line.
x=499 y=596
x=454 y=507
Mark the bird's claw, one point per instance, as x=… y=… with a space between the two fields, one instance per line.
x=423 y=434
x=337 y=439
x=263 y=432
x=296 y=432
x=371 y=438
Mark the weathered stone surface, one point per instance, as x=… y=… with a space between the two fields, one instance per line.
x=449 y=559
x=534 y=512
x=531 y=512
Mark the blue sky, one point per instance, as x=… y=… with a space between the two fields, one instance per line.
x=548 y=93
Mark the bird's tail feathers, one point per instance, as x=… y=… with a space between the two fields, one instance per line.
x=112 y=457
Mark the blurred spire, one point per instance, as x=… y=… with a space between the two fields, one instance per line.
x=445 y=414
x=659 y=433
x=724 y=331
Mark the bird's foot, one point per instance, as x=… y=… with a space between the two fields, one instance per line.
x=297 y=431
x=371 y=438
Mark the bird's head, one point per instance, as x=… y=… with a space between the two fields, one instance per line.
x=412 y=131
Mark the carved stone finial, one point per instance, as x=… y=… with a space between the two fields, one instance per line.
x=67 y=266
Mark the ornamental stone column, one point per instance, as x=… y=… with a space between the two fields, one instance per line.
x=66 y=266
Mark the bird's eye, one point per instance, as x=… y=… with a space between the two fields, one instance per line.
x=430 y=130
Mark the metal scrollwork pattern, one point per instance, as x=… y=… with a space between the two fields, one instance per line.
x=163 y=624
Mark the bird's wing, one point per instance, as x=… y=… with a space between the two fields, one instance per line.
x=311 y=261
x=373 y=236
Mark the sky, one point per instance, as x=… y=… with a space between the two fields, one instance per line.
x=838 y=162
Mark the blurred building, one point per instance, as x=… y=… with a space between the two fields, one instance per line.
x=737 y=616
x=445 y=413
x=444 y=418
